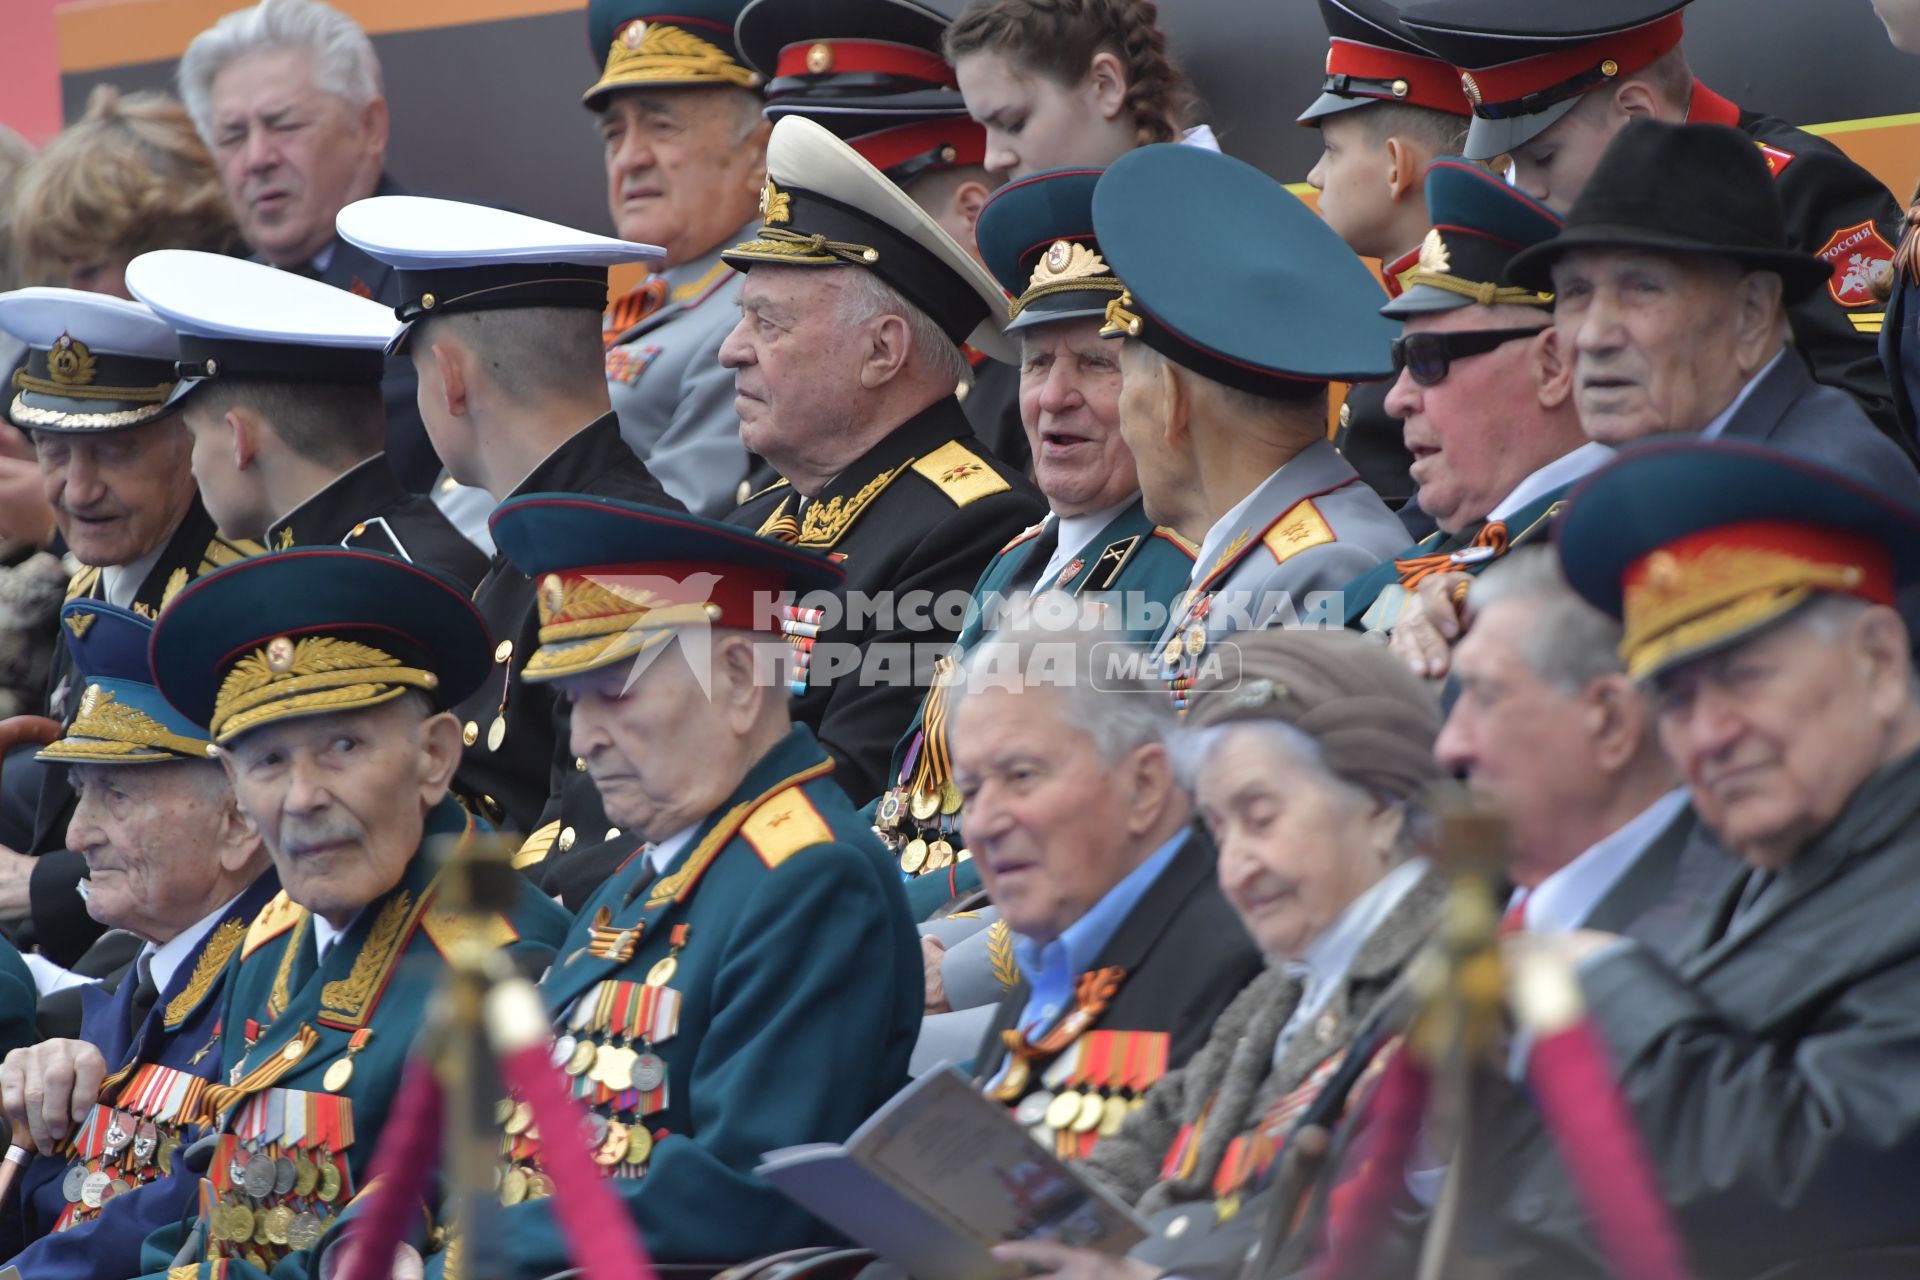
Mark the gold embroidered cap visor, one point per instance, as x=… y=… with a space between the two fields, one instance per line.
x=615 y=579
x=824 y=205
x=678 y=49
x=313 y=631
x=94 y=362
x=1697 y=545
x=122 y=718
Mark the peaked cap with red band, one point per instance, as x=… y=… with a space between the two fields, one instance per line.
x=1372 y=58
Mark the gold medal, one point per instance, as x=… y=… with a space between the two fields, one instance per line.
x=1173 y=652
x=939 y=855
x=583 y=1055
x=338 y=1075
x=949 y=797
x=306 y=1176
x=914 y=856
x=1113 y=1115
x=616 y=1068
x=513 y=1187
x=279 y=1220
x=614 y=1149
x=329 y=1187
x=260 y=1236
x=662 y=972
x=1014 y=1083
x=924 y=805
x=639 y=1144
x=1093 y=1108
x=519 y=1119
x=1196 y=641
x=293 y=1051
x=539 y=1186
x=1064 y=1110
x=239 y=1223
x=496 y=733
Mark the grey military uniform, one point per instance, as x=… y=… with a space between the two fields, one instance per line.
x=977 y=971
x=673 y=397
x=1312 y=526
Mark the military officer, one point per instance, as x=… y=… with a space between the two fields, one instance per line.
x=1226 y=421
x=1551 y=84
x=685 y=146
x=1484 y=393
x=1036 y=236
x=497 y=315
x=96 y=396
x=746 y=980
x=279 y=373
x=845 y=359
x=327 y=696
x=874 y=72
x=175 y=863
x=1386 y=110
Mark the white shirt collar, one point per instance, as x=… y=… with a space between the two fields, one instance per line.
x=1075 y=533
x=663 y=853
x=1201 y=136
x=1564 y=469
x=168 y=956
x=1325 y=962
x=324 y=259
x=1713 y=430
x=1565 y=900
x=324 y=936
x=122 y=581
x=1224 y=528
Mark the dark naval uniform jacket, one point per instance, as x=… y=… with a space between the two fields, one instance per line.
x=1838 y=211
x=780 y=938
x=61 y=925
x=1132 y=561
x=1184 y=956
x=49 y=1234
x=508 y=773
x=289 y=1023
x=368 y=509
x=922 y=512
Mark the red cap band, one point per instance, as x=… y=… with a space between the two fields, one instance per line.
x=828 y=57
x=1628 y=51
x=1429 y=82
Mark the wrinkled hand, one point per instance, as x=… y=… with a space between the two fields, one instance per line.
x=1045 y=1258
x=932 y=952
x=16 y=876
x=24 y=513
x=47 y=1089
x=1430 y=624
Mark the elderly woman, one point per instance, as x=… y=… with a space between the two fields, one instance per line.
x=1309 y=768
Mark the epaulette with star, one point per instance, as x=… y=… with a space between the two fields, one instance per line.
x=960 y=473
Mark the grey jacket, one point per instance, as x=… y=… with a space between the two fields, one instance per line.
x=1788 y=410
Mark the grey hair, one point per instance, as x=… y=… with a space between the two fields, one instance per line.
x=1194 y=747
x=1828 y=615
x=1570 y=644
x=1308 y=415
x=868 y=297
x=1059 y=643
x=344 y=64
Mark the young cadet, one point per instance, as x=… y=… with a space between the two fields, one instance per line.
x=280 y=381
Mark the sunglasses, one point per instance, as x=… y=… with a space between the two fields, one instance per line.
x=1429 y=356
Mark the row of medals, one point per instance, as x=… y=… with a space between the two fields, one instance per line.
x=128 y=1159
x=620 y=1148
x=919 y=855
x=1046 y=1114
x=267 y=1175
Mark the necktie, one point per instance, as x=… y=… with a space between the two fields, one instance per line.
x=1040 y=555
x=146 y=993
x=1515 y=921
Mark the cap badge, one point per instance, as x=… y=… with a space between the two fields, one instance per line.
x=89 y=701
x=1609 y=68
x=1434 y=257
x=69 y=361
x=553 y=593
x=1065 y=260
x=1471 y=88
x=78 y=623
x=280 y=655
x=776 y=206
x=1401 y=88
x=820 y=59
x=633 y=34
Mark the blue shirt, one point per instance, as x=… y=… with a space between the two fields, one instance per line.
x=1053 y=970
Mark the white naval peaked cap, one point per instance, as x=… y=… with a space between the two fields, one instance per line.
x=210 y=295
x=94 y=362
x=40 y=316
x=825 y=206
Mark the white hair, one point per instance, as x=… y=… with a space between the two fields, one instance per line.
x=344 y=64
x=868 y=297
x=1570 y=643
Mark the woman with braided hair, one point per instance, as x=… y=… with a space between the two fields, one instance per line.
x=1061 y=83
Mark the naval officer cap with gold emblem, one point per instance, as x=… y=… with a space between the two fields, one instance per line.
x=687 y=43
x=615 y=579
x=94 y=362
x=249 y=321
x=824 y=207
x=122 y=718
x=1036 y=236
x=1480 y=224
x=451 y=257
x=1696 y=545
x=315 y=631
x=1230 y=275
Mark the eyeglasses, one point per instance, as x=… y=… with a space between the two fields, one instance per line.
x=1430 y=356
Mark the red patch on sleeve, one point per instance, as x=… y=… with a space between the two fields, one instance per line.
x=1855 y=253
x=1776 y=159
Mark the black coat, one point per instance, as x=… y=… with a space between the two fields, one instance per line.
x=509 y=787
x=900 y=531
x=1186 y=957
x=368 y=509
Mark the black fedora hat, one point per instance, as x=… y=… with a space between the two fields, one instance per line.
x=1698 y=189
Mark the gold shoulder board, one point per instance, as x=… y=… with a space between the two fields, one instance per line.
x=960 y=473
x=783 y=826
x=1300 y=528
x=278 y=916
x=448 y=929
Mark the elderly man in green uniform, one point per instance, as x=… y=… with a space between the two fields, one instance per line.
x=747 y=979
x=280 y=389
x=96 y=396
x=1486 y=397
x=323 y=677
x=685 y=150
x=845 y=361
x=1551 y=84
x=1227 y=347
x=1036 y=236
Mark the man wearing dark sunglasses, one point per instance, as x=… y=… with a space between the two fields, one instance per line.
x=1485 y=401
